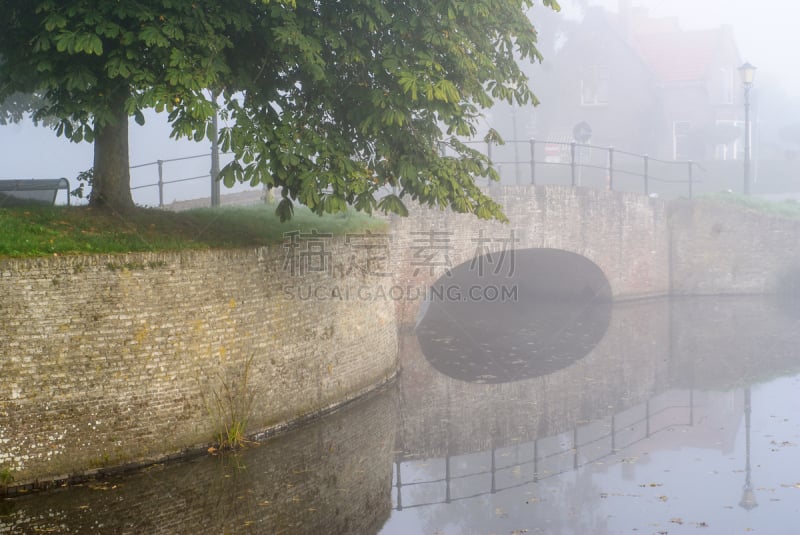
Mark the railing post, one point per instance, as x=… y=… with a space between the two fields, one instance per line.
x=691 y=180
x=572 y=161
x=646 y=166
x=575 y=447
x=613 y=433
x=160 y=183
x=611 y=168
x=533 y=161
x=215 y=190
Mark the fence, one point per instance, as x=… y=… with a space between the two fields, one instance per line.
x=162 y=182
x=626 y=429
x=517 y=161
x=575 y=164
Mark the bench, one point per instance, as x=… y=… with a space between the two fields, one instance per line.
x=20 y=192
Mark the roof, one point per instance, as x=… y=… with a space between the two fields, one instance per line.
x=679 y=56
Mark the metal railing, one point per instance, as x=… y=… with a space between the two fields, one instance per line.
x=576 y=164
x=616 y=443
x=540 y=162
x=161 y=182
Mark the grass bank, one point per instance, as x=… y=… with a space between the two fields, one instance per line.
x=56 y=230
x=788 y=208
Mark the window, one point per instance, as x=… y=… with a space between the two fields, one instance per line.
x=594 y=86
x=727 y=84
x=728 y=139
x=680 y=140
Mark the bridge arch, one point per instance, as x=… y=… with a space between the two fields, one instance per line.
x=625 y=235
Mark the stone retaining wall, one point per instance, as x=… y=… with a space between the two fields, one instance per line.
x=114 y=359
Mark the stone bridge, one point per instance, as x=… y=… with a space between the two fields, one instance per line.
x=628 y=245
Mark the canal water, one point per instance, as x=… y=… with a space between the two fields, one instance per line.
x=661 y=416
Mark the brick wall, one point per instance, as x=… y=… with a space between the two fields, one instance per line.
x=111 y=359
x=625 y=235
x=721 y=249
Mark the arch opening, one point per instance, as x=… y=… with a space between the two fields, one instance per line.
x=542 y=314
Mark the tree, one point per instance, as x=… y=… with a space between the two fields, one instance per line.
x=328 y=100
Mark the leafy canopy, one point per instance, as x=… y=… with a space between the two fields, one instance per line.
x=330 y=100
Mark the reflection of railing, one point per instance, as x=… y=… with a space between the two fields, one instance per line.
x=616 y=437
x=588 y=165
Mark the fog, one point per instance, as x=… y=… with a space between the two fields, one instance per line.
x=764 y=34
x=661 y=78
x=36 y=152
x=766 y=31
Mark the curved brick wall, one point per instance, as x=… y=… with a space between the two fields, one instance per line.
x=107 y=360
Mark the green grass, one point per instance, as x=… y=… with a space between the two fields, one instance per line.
x=789 y=208
x=56 y=230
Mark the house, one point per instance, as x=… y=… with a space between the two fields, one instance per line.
x=645 y=85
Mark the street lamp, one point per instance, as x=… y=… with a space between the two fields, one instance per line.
x=748 y=74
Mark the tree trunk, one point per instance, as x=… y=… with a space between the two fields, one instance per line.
x=111 y=183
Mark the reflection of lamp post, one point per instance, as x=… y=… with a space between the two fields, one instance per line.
x=748 y=501
x=748 y=73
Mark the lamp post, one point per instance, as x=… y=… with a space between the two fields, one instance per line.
x=748 y=74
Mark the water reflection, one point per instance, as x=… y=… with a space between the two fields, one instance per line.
x=682 y=415
x=651 y=430
x=331 y=477
x=502 y=342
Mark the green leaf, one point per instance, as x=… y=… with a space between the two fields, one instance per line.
x=392 y=203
